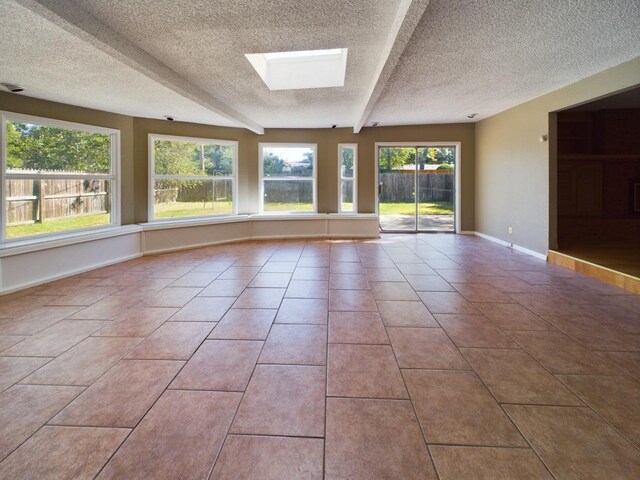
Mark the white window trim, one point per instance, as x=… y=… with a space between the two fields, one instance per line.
x=113 y=175
x=457 y=209
x=313 y=178
x=342 y=146
x=152 y=176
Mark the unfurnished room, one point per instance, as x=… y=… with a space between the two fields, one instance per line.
x=319 y=239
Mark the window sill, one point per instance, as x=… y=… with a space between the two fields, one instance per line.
x=192 y=222
x=353 y=215
x=288 y=216
x=17 y=247
x=259 y=217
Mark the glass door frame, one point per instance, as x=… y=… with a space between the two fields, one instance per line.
x=457 y=182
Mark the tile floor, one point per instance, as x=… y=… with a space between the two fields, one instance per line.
x=416 y=356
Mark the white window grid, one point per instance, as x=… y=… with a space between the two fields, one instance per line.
x=262 y=178
x=354 y=179
x=205 y=141
x=113 y=175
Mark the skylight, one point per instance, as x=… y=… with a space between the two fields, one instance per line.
x=301 y=69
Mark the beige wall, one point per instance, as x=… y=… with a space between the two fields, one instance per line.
x=327 y=141
x=515 y=172
x=134 y=159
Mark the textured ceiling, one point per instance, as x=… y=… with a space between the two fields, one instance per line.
x=56 y=65
x=410 y=61
x=206 y=41
x=486 y=56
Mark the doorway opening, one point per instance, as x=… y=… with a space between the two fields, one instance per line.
x=417 y=187
x=598 y=182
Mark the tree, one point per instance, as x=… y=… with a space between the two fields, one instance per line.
x=347 y=158
x=41 y=147
x=394 y=158
x=15 y=147
x=274 y=165
x=436 y=155
x=175 y=158
x=218 y=159
x=308 y=158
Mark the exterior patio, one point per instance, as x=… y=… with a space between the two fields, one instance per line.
x=426 y=223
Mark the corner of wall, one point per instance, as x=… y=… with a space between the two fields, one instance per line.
x=514 y=186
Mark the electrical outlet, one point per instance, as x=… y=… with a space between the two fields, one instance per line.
x=510 y=230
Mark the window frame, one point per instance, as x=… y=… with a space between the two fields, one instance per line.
x=341 y=147
x=262 y=178
x=152 y=177
x=113 y=175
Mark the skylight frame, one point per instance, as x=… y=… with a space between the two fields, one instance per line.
x=302 y=69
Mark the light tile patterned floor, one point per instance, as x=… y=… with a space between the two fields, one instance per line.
x=415 y=356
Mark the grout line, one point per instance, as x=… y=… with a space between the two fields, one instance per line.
x=222 y=445
x=326 y=383
x=477 y=445
x=147 y=269
x=415 y=413
x=490 y=393
x=159 y=395
x=2 y=459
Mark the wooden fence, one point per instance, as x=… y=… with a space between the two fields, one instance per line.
x=171 y=191
x=288 y=191
x=399 y=187
x=30 y=201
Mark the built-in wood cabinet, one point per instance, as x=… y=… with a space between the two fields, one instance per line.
x=580 y=187
x=575 y=133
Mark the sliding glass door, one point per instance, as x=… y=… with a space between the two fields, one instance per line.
x=396 y=189
x=416 y=188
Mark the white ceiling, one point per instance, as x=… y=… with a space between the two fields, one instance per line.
x=410 y=61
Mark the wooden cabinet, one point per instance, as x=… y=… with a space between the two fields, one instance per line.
x=580 y=188
x=575 y=133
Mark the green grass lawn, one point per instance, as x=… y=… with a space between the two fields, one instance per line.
x=192 y=209
x=288 y=207
x=58 y=225
x=432 y=208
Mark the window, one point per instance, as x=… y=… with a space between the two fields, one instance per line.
x=301 y=69
x=191 y=177
x=347 y=178
x=57 y=176
x=287 y=178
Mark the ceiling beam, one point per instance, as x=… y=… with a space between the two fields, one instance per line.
x=405 y=22
x=77 y=21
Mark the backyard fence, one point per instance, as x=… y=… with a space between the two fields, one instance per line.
x=170 y=191
x=37 y=200
x=399 y=187
x=285 y=191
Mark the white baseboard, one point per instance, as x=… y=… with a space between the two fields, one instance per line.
x=542 y=256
